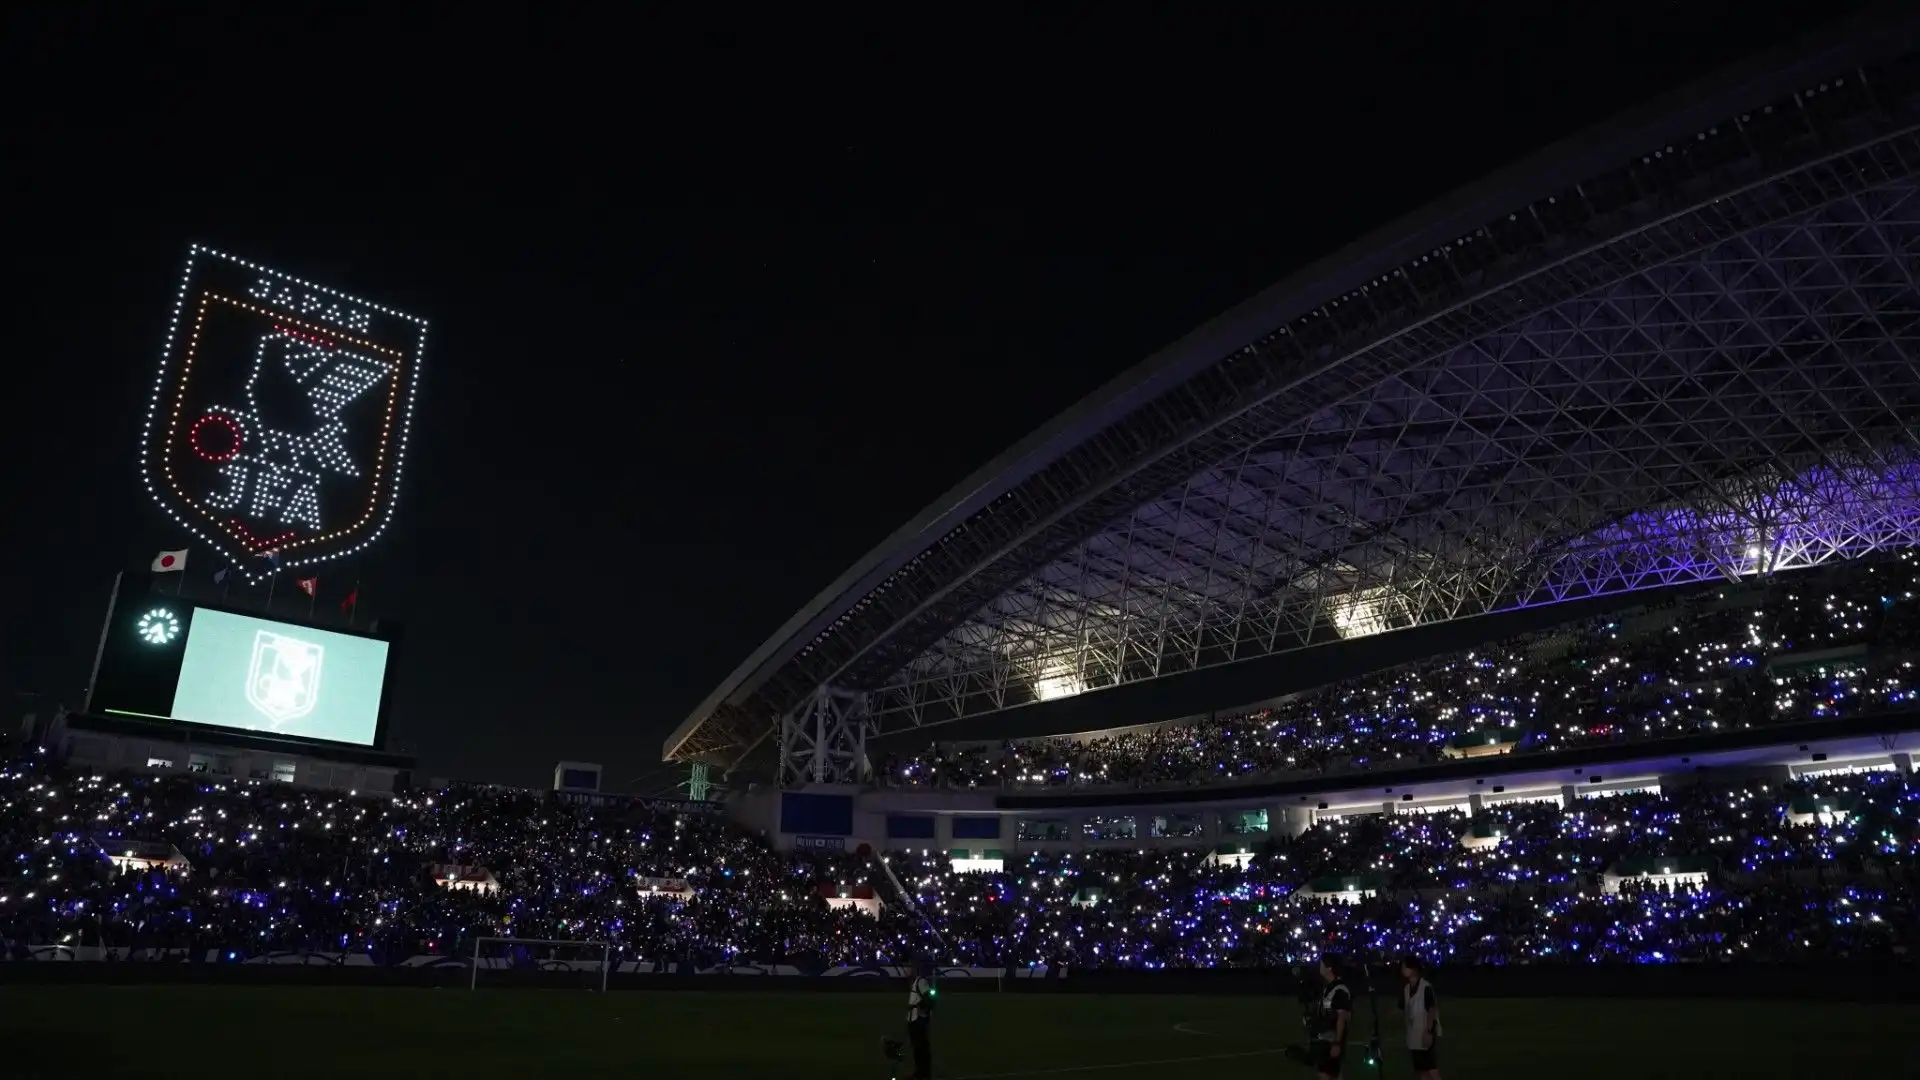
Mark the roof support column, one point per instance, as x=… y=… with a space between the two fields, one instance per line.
x=823 y=740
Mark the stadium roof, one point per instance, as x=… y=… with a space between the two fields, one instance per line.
x=1681 y=346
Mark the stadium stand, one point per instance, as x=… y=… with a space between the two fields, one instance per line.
x=1830 y=643
x=185 y=868
x=209 y=869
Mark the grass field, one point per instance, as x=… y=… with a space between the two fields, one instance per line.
x=349 y=1034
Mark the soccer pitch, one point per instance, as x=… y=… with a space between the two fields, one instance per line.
x=352 y=1034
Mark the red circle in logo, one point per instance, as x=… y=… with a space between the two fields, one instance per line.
x=196 y=437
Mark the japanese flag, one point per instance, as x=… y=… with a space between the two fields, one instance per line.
x=170 y=562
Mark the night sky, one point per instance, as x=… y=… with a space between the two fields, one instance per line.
x=715 y=308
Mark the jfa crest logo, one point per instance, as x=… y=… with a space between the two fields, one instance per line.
x=280 y=415
x=283 y=682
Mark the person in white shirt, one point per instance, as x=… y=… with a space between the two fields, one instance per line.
x=1422 y=1011
x=921 y=994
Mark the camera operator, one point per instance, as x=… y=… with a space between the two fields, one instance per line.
x=920 y=998
x=1422 y=1011
x=1334 y=1015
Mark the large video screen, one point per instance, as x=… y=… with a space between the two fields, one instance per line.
x=205 y=666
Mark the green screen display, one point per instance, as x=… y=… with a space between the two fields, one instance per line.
x=242 y=672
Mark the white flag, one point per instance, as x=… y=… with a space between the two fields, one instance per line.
x=169 y=562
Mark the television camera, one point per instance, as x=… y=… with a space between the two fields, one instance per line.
x=1310 y=992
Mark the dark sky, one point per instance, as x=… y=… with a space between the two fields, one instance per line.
x=715 y=308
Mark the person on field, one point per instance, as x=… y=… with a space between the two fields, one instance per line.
x=921 y=994
x=1333 y=1018
x=1422 y=1012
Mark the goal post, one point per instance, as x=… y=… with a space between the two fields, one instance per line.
x=537 y=954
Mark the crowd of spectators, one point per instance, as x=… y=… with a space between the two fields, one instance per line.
x=265 y=868
x=1826 y=643
x=253 y=869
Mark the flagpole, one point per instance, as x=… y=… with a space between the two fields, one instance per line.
x=100 y=650
x=273 y=575
x=313 y=598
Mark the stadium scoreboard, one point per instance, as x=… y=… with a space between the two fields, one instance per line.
x=171 y=658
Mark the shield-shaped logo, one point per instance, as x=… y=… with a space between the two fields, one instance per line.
x=283 y=682
x=279 y=418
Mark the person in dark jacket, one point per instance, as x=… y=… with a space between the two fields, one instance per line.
x=1334 y=1015
x=921 y=994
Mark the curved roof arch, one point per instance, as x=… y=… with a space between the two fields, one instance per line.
x=1592 y=197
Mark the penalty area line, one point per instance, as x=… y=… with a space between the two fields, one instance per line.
x=1070 y=1069
x=1189 y=1029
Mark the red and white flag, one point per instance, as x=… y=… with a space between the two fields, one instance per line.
x=170 y=562
x=308 y=585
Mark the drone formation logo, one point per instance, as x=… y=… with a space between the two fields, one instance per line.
x=278 y=425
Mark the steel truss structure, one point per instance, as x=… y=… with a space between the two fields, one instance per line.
x=824 y=739
x=1702 y=363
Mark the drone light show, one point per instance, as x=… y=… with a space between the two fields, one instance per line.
x=277 y=430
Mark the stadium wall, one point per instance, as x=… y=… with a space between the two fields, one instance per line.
x=111 y=744
x=875 y=819
x=1238 y=818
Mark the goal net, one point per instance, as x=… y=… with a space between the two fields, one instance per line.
x=503 y=959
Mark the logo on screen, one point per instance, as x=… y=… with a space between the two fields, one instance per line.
x=283 y=682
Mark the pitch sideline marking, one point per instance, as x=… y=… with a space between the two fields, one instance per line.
x=1117 y=1065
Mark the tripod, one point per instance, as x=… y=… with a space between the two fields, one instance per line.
x=1373 y=1042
